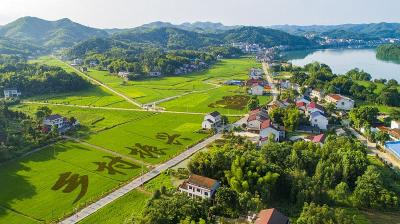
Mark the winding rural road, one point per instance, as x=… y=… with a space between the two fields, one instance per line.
x=92 y=208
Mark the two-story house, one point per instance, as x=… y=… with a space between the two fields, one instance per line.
x=199 y=186
x=212 y=120
x=316 y=93
x=11 y=93
x=256 y=117
x=341 y=102
x=318 y=119
x=55 y=120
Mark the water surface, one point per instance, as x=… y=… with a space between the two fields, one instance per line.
x=343 y=60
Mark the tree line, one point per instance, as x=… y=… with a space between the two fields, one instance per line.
x=35 y=79
x=305 y=179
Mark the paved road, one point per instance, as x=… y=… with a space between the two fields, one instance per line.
x=107 y=87
x=270 y=80
x=123 y=109
x=374 y=151
x=92 y=208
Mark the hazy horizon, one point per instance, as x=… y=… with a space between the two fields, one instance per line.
x=126 y=14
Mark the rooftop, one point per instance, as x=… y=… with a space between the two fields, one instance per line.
x=202 y=181
x=53 y=117
x=215 y=114
x=271 y=216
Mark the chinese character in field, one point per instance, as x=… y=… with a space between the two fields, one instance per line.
x=171 y=139
x=146 y=150
x=114 y=165
x=71 y=182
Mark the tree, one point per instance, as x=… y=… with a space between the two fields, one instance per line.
x=227 y=203
x=315 y=214
x=364 y=116
x=253 y=103
x=342 y=192
x=371 y=192
x=291 y=119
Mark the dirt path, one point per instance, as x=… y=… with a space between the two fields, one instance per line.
x=128 y=99
x=123 y=109
x=270 y=80
x=109 y=151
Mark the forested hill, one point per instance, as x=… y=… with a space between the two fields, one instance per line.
x=371 y=31
x=60 y=33
x=29 y=33
x=388 y=52
x=173 y=39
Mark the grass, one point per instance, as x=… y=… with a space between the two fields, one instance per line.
x=131 y=205
x=150 y=90
x=123 y=210
x=153 y=139
x=28 y=183
x=141 y=135
x=95 y=96
x=209 y=101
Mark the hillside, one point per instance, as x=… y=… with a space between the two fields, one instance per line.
x=60 y=33
x=9 y=46
x=388 y=52
x=372 y=30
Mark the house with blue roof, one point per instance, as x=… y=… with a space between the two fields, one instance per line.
x=318 y=119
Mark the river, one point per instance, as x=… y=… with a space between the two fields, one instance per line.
x=343 y=60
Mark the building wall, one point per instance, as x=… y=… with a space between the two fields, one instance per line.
x=320 y=122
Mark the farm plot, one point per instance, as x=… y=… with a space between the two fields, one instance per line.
x=48 y=184
x=226 y=100
x=123 y=210
x=96 y=96
x=151 y=90
x=152 y=139
x=93 y=120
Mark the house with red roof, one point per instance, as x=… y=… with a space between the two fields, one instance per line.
x=271 y=216
x=314 y=107
x=268 y=129
x=252 y=82
x=199 y=186
x=341 y=102
x=301 y=106
x=317 y=138
x=256 y=117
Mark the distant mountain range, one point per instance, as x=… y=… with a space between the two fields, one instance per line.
x=33 y=34
x=356 y=31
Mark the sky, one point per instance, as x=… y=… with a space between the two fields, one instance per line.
x=132 y=13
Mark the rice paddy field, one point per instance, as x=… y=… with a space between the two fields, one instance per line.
x=150 y=90
x=48 y=184
x=116 y=141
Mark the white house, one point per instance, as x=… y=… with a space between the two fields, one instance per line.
x=314 y=107
x=256 y=73
x=395 y=124
x=211 y=120
x=77 y=61
x=317 y=119
x=155 y=74
x=199 y=186
x=257 y=90
x=315 y=93
x=10 y=93
x=268 y=129
x=123 y=74
x=341 y=102
x=256 y=117
x=55 y=120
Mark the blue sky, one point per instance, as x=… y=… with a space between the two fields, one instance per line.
x=130 y=13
